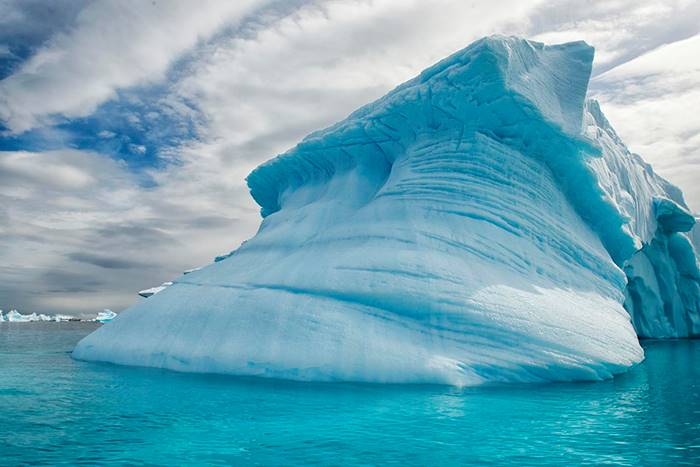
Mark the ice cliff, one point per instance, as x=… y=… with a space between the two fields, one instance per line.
x=481 y=222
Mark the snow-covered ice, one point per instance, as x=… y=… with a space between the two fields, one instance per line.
x=481 y=222
x=154 y=290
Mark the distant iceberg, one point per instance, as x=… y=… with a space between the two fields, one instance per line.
x=482 y=222
x=14 y=316
x=105 y=316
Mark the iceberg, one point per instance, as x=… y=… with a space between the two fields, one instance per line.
x=14 y=316
x=105 y=316
x=480 y=223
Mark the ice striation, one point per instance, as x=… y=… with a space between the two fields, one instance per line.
x=480 y=223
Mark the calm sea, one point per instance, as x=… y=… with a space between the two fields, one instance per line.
x=54 y=410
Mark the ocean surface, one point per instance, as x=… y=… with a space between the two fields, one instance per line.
x=54 y=410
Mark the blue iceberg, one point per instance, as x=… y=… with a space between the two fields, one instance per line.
x=105 y=316
x=482 y=222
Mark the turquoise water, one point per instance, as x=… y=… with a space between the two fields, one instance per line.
x=55 y=410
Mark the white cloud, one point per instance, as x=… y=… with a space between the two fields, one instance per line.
x=42 y=169
x=619 y=30
x=340 y=54
x=137 y=149
x=113 y=44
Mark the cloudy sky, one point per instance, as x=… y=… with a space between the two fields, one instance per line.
x=127 y=127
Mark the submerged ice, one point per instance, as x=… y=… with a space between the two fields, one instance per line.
x=481 y=222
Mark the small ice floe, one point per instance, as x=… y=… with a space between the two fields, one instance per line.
x=105 y=316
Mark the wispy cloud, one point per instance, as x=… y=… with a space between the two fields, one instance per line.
x=620 y=30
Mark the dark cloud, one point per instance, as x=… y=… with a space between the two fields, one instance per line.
x=62 y=281
x=107 y=262
x=211 y=222
x=148 y=231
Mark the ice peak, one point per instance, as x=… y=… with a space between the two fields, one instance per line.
x=490 y=87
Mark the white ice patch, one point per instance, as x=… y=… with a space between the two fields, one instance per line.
x=154 y=290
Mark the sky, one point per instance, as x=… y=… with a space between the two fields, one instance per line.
x=127 y=128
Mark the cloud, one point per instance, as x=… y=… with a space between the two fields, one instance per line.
x=22 y=169
x=106 y=262
x=620 y=30
x=316 y=65
x=25 y=25
x=80 y=231
x=112 y=44
x=67 y=282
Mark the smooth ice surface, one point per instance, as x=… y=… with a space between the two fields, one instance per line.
x=479 y=223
